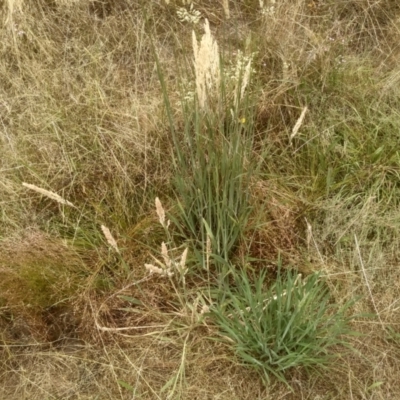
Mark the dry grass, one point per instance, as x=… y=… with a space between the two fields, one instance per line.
x=83 y=121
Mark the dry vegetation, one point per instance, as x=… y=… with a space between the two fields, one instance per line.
x=87 y=145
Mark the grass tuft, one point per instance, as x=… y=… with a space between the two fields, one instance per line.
x=290 y=324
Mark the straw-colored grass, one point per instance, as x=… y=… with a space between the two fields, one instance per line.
x=265 y=130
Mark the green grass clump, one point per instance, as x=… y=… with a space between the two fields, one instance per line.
x=212 y=185
x=212 y=153
x=290 y=324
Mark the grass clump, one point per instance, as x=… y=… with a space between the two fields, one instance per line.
x=212 y=154
x=289 y=324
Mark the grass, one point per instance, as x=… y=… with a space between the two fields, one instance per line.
x=285 y=325
x=213 y=150
x=104 y=108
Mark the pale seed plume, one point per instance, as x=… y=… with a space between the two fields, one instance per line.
x=182 y=265
x=243 y=78
x=156 y=270
x=206 y=65
x=298 y=124
x=161 y=213
x=168 y=264
x=109 y=237
x=246 y=78
x=47 y=193
x=205 y=309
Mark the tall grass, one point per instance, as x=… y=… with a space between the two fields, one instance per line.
x=212 y=153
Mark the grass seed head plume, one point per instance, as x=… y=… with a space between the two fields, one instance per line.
x=205 y=309
x=165 y=266
x=165 y=256
x=246 y=78
x=192 y=16
x=110 y=239
x=161 y=213
x=206 y=65
x=157 y=270
x=298 y=123
x=182 y=264
x=47 y=193
x=242 y=75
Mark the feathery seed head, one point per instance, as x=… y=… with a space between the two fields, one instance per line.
x=206 y=65
x=160 y=212
x=205 y=309
x=182 y=265
x=240 y=73
x=192 y=16
x=157 y=270
x=165 y=256
x=109 y=237
x=246 y=78
x=298 y=123
x=47 y=193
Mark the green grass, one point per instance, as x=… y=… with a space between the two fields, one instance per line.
x=212 y=161
x=288 y=324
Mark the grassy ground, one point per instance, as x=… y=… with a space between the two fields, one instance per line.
x=296 y=164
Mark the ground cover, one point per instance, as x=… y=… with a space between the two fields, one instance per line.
x=199 y=200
